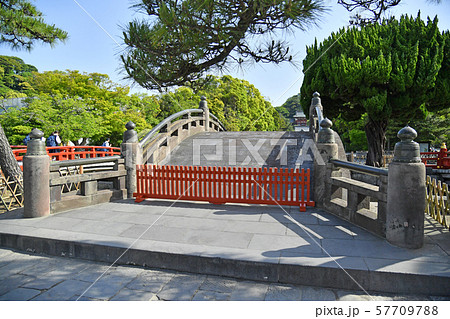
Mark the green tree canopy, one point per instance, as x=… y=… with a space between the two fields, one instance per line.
x=14 y=76
x=292 y=105
x=182 y=40
x=90 y=106
x=83 y=105
x=396 y=70
x=21 y=25
x=79 y=105
x=237 y=103
x=240 y=106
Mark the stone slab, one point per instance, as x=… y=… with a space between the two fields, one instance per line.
x=283 y=293
x=263 y=243
x=202 y=295
x=249 y=291
x=20 y=294
x=133 y=295
x=63 y=290
x=180 y=287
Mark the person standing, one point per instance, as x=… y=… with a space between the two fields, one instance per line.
x=107 y=144
x=53 y=140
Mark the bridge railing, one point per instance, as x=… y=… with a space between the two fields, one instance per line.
x=83 y=182
x=390 y=203
x=437 y=160
x=63 y=153
x=158 y=143
x=361 y=198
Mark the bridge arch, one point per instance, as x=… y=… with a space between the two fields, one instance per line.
x=164 y=137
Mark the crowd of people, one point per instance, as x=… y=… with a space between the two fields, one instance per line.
x=55 y=140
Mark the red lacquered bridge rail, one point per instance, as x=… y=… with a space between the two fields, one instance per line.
x=439 y=159
x=220 y=185
x=63 y=153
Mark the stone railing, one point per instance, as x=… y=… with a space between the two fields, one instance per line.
x=390 y=203
x=54 y=186
x=96 y=180
x=361 y=198
x=315 y=115
x=159 y=142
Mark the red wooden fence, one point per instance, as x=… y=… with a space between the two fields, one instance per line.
x=62 y=153
x=219 y=185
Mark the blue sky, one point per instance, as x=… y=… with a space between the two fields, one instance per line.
x=93 y=47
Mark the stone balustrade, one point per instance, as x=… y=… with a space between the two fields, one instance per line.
x=88 y=175
x=388 y=202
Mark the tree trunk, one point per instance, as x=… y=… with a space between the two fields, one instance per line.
x=376 y=139
x=8 y=163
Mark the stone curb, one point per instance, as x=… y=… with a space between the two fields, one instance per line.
x=329 y=277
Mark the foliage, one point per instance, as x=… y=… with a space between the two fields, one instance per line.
x=182 y=40
x=79 y=106
x=284 y=112
x=240 y=106
x=82 y=105
x=236 y=103
x=351 y=133
x=14 y=76
x=21 y=25
x=292 y=105
x=288 y=110
x=391 y=71
x=434 y=128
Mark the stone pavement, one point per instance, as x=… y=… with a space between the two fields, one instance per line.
x=268 y=244
x=44 y=278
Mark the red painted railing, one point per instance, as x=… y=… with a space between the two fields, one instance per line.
x=219 y=185
x=439 y=159
x=62 y=153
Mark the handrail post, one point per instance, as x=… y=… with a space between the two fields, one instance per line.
x=204 y=106
x=313 y=126
x=328 y=149
x=132 y=152
x=406 y=198
x=36 y=174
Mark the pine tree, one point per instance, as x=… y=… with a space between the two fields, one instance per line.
x=182 y=40
x=394 y=70
x=21 y=25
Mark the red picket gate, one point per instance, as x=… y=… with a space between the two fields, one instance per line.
x=219 y=185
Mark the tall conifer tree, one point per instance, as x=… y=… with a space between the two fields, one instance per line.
x=394 y=70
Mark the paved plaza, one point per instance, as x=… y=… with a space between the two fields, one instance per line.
x=43 y=278
x=162 y=250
